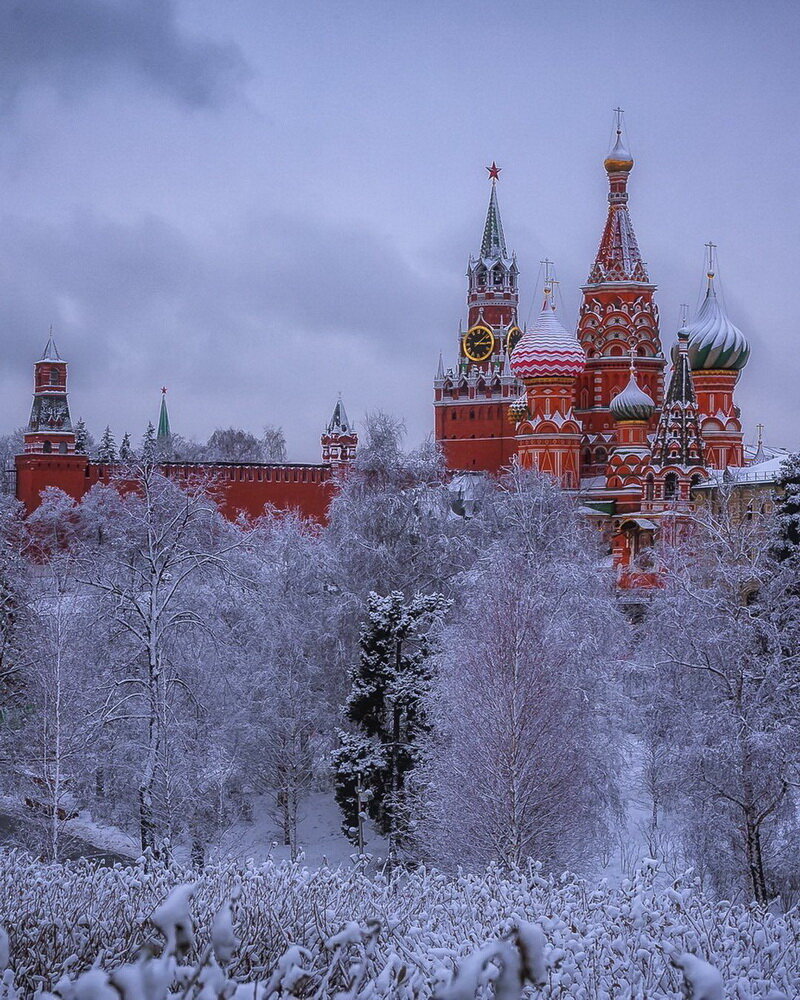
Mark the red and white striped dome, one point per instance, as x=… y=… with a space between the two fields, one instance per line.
x=547 y=350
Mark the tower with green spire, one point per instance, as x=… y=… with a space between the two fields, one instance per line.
x=492 y=295
x=163 y=434
x=472 y=399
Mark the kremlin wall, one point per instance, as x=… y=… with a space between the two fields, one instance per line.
x=596 y=409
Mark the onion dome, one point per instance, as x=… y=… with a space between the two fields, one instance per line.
x=714 y=342
x=546 y=350
x=619 y=158
x=518 y=409
x=632 y=403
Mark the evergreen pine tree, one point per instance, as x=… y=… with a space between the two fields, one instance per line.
x=787 y=509
x=107 y=451
x=386 y=706
x=81 y=437
x=125 y=450
x=149 y=447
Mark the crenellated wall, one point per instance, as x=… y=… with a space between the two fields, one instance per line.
x=238 y=488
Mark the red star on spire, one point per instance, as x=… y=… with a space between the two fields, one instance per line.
x=164 y=389
x=494 y=172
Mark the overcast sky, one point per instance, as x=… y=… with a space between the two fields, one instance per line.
x=262 y=204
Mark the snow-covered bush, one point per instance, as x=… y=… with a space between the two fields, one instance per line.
x=286 y=930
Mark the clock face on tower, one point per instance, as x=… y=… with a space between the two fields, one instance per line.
x=513 y=338
x=478 y=343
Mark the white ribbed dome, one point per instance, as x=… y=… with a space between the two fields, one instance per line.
x=547 y=350
x=632 y=403
x=714 y=342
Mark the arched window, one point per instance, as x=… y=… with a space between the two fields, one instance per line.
x=600 y=456
x=55 y=376
x=471 y=414
x=648 y=486
x=671 y=486
x=47 y=447
x=62 y=448
x=498 y=276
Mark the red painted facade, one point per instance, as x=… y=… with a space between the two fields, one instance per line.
x=610 y=431
x=471 y=401
x=239 y=489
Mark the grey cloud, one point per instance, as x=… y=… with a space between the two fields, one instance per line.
x=79 y=44
x=249 y=320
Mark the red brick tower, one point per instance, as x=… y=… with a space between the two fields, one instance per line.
x=339 y=440
x=49 y=429
x=618 y=315
x=548 y=360
x=49 y=457
x=718 y=352
x=471 y=400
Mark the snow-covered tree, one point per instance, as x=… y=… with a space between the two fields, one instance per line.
x=126 y=454
x=59 y=726
x=232 y=444
x=149 y=445
x=525 y=746
x=787 y=510
x=157 y=545
x=390 y=522
x=386 y=705
x=723 y=640
x=273 y=443
x=84 y=442
x=10 y=446
x=107 y=449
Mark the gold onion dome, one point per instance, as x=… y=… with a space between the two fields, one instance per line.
x=632 y=403
x=620 y=156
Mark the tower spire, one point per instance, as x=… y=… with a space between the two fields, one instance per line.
x=163 y=433
x=618 y=256
x=50 y=352
x=678 y=441
x=493 y=244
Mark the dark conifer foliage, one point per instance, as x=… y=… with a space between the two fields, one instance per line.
x=386 y=705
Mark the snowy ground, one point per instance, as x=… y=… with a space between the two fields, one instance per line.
x=319 y=835
x=82 y=837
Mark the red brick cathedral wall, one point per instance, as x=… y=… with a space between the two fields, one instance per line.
x=238 y=488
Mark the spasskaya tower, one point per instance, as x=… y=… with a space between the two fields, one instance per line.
x=471 y=399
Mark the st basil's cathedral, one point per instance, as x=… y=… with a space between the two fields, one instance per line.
x=594 y=409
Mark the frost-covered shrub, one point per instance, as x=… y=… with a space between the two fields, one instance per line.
x=323 y=932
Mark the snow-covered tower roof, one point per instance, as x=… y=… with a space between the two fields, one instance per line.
x=546 y=350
